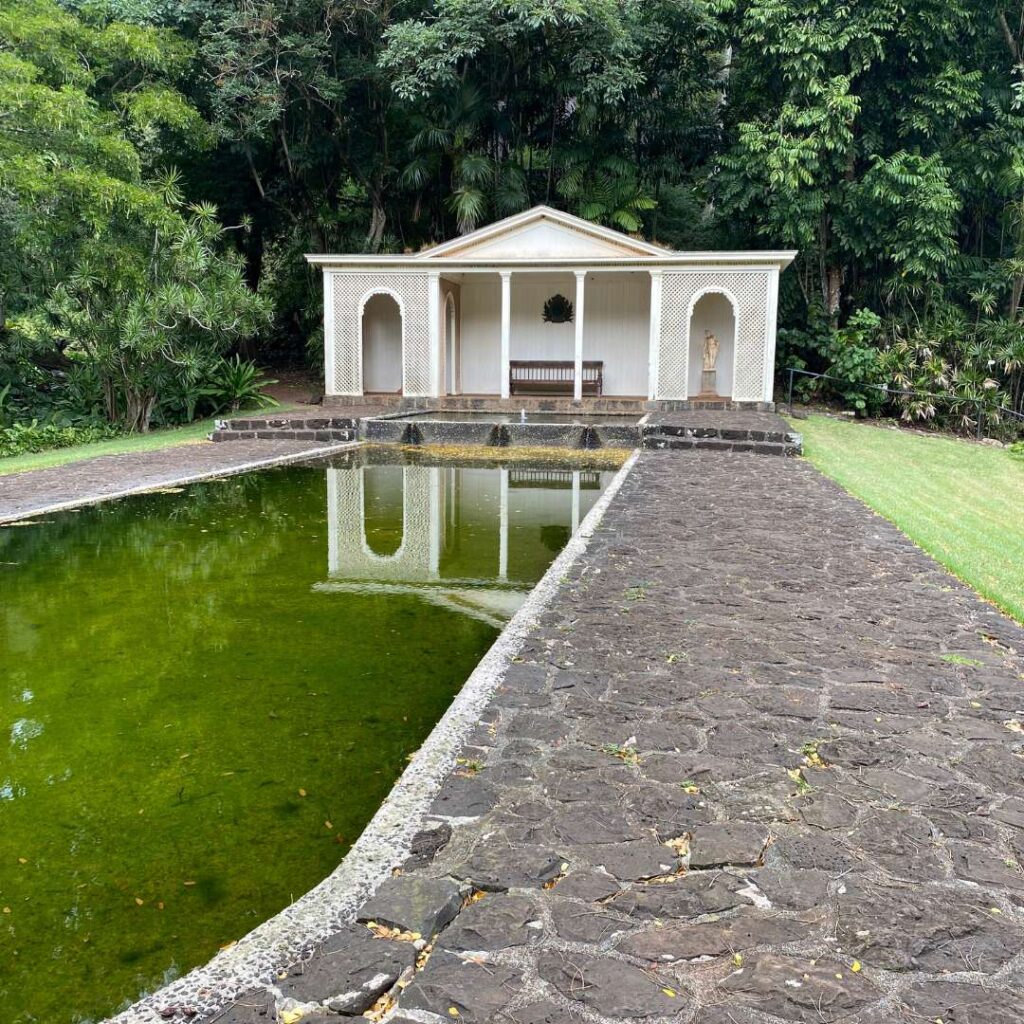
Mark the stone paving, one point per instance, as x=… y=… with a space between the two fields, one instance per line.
x=762 y=761
x=741 y=420
x=91 y=480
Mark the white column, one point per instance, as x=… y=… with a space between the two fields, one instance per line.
x=506 y=329
x=575 y=500
x=654 y=352
x=434 y=324
x=503 y=526
x=577 y=382
x=329 y=339
x=768 y=384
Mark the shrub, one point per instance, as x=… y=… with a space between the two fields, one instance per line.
x=237 y=382
x=855 y=360
x=23 y=438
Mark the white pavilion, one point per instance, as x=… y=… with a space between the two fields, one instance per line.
x=545 y=303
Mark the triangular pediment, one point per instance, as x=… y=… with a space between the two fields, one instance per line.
x=543 y=233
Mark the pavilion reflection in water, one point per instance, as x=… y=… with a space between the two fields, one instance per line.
x=471 y=539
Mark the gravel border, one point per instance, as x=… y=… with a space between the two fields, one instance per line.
x=386 y=840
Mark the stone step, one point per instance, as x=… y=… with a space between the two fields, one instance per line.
x=662 y=442
x=329 y=434
x=724 y=433
x=286 y=422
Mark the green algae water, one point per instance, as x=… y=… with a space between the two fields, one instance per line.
x=206 y=695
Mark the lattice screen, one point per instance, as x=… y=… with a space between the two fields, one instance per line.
x=349 y=292
x=750 y=290
x=350 y=556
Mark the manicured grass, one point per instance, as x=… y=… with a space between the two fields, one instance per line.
x=961 y=502
x=167 y=438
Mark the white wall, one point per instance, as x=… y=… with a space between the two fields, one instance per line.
x=616 y=325
x=532 y=338
x=547 y=239
x=616 y=329
x=480 y=355
x=382 y=345
x=713 y=312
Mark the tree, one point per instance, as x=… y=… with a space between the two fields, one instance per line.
x=115 y=274
x=87 y=111
x=842 y=122
x=587 y=105
x=164 y=309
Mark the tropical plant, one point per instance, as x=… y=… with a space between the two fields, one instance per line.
x=237 y=383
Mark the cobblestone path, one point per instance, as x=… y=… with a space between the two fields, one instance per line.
x=91 y=480
x=762 y=762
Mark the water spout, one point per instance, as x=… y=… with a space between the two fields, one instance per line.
x=522 y=415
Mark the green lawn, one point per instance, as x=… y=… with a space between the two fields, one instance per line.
x=961 y=502
x=152 y=441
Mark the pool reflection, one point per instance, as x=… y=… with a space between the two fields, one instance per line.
x=470 y=539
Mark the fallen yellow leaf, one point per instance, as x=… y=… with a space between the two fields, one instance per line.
x=290 y=1016
x=453 y=1011
x=327 y=824
x=670 y=992
x=855 y=966
x=302 y=792
x=139 y=901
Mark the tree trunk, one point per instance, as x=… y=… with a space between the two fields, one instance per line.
x=378 y=220
x=110 y=400
x=833 y=283
x=138 y=410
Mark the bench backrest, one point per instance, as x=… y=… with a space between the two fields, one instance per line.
x=552 y=370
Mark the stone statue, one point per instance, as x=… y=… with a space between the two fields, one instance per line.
x=711 y=346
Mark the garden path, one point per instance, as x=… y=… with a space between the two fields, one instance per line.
x=760 y=760
x=39 y=491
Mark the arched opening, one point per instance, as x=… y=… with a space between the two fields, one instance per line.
x=384 y=509
x=451 y=365
x=382 y=345
x=712 y=323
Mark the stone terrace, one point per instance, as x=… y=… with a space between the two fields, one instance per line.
x=762 y=762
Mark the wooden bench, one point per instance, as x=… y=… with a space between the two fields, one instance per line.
x=549 y=377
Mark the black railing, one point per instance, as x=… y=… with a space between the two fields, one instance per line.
x=980 y=406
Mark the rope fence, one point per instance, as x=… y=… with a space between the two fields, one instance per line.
x=905 y=393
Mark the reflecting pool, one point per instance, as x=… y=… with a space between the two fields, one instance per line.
x=207 y=693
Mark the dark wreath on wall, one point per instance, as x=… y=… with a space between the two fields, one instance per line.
x=558 y=310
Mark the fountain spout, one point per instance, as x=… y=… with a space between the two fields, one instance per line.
x=522 y=415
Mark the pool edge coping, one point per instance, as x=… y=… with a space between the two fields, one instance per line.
x=386 y=840
x=178 y=481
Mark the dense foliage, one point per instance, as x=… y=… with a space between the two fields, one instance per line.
x=163 y=166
